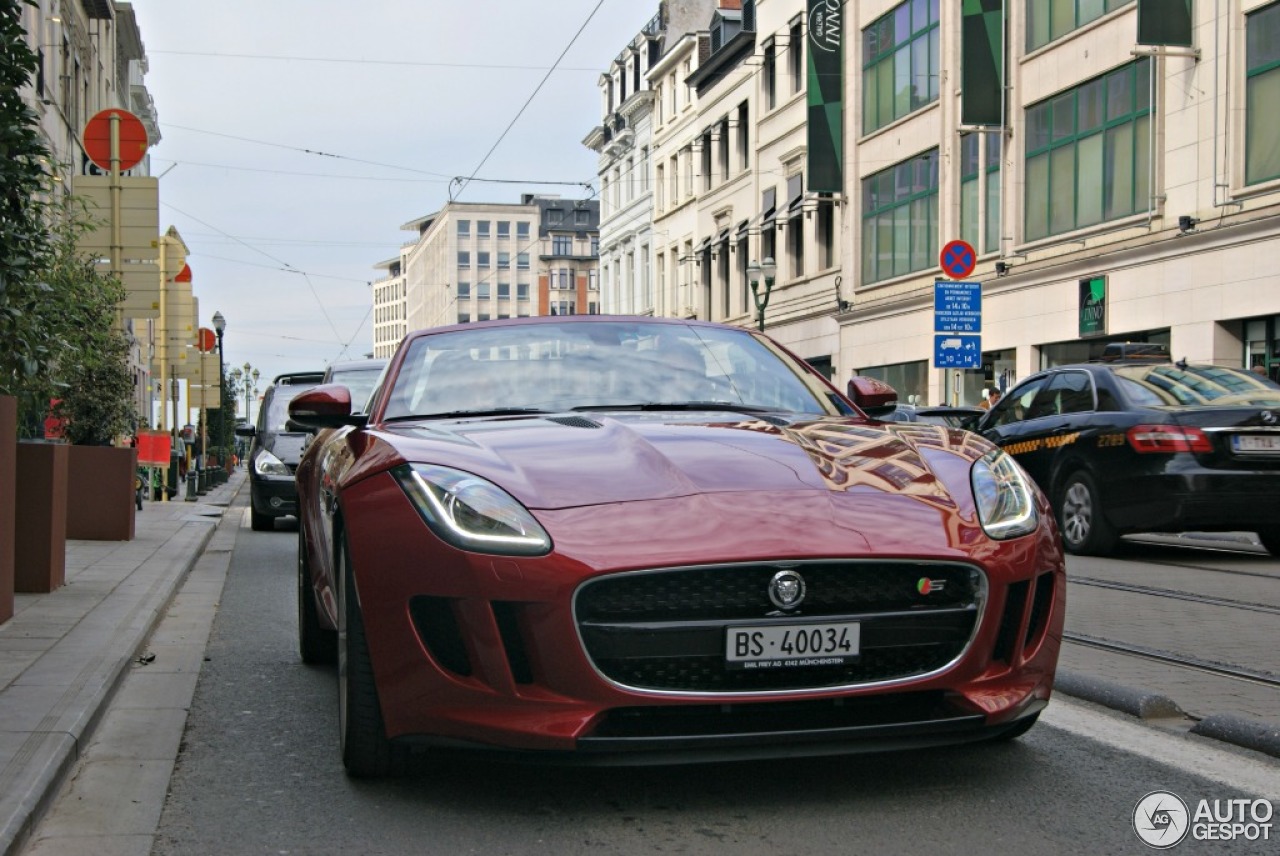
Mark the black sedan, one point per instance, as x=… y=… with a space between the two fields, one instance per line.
x=1141 y=446
x=958 y=416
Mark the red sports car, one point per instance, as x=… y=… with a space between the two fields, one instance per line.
x=635 y=540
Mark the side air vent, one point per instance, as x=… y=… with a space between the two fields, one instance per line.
x=574 y=421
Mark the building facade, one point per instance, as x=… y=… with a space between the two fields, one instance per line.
x=1132 y=194
x=476 y=262
x=90 y=57
x=390 y=306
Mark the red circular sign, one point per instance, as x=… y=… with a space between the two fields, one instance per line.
x=206 y=339
x=958 y=259
x=97 y=139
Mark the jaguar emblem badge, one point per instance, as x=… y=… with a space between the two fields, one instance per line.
x=786 y=589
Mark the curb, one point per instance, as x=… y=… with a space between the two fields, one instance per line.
x=1135 y=702
x=1250 y=733
x=48 y=760
x=1224 y=727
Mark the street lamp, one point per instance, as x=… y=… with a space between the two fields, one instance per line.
x=219 y=325
x=766 y=270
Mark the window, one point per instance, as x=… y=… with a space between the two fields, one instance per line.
x=522 y=291
x=826 y=231
x=522 y=261
x=464 y=258
x=1262 y=94
x=522 y=230
x=482 y=259
x=900 y=219
x=644 y=169
x=483 y=290
x=482 y=229
x=595 y=245
x=769 y=75
x=555 y=216
x=561 y=245
x=980 y=191
x=464 y=317
x=659 y=179
x=483 y=316
x=795 y=56
x=464 y=291
x=504 y=228
x=706 y=160
x=795 y=225
x=504 y=291
x=1088 y=153
x=1048 y=20
x=725 y=169
x=900 y=63
x=744 y=138
x=504 y=260
x=562 y=278
x=562 y=307
x=464 y=228
x=593 y=280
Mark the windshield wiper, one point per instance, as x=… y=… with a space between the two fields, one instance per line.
x=459 y=414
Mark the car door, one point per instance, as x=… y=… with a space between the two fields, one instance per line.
x=1018 y=424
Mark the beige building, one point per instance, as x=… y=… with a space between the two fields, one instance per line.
x=390 y=310
x=481 y=261
x=91 y=58
x=1134 y=195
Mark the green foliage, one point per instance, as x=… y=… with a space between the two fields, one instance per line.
x=26 y=347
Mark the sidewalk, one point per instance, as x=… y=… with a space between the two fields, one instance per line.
x=63 y=654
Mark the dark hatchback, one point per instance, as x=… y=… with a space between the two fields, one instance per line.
x=1144 y=446
x=275 y=451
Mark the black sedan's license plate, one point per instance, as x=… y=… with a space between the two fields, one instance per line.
x=792 y=645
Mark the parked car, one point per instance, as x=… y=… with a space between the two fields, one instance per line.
x=608 y=539
x=958 y=416
x=275 y=451
x=1147 y=445
x=359 y=376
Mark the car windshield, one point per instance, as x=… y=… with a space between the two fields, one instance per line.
x=1196 y=385
x=548 y=367
x=275 y=410
x=360 y=382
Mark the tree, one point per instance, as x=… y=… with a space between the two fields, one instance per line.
x=27 y=344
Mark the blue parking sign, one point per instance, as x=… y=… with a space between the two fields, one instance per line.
x=957 y=351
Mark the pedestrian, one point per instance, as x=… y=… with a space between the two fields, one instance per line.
x=1259 y=368
x=993 y=396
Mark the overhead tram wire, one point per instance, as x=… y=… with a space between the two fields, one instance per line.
x=528 y=101
x=392 y=62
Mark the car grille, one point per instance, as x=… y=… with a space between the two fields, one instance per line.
x=665 y=630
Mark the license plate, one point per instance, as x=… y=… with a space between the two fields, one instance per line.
x=791 y=645
x=1256 y=443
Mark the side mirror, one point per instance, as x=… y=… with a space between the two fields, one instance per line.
x=322 y=407
x=873 y=397
x=246 y=431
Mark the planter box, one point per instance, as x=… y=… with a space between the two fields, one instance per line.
x=40 y=537
x=100 y=498
x=8 y=476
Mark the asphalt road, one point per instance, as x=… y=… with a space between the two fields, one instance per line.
x=258 y=772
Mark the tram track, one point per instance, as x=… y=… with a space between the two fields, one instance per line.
x=1175 y=594
x=1224 y=670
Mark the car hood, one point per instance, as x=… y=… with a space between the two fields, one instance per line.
x=574 y=460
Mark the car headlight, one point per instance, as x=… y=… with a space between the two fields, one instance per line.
x=1004 y=495
x=267 y=464
x=472 y=513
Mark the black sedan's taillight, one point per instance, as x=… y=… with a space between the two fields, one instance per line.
x=1167 y=439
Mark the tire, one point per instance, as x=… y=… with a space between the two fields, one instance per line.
x=261 y=522
x=366 y=751
x=317 y=645
x=1084 y=527
x=1021 y=728
x=1270 y=539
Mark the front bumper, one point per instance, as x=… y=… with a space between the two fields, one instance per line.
x=275 y=496
x=483 y=651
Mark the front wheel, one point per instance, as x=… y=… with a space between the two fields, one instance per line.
x=1085 y=530
x=1270 y=539
x=366 y=751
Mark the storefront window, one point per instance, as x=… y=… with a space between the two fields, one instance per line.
x=911 y=380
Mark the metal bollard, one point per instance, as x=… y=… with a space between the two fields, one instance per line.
x=191 y=486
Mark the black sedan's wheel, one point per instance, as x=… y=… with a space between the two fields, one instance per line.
x=1270 y=539
x=316 y=644
x=366 y=751
x=1085 y=530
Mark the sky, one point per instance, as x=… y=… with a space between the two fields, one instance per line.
x=298 y=136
